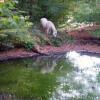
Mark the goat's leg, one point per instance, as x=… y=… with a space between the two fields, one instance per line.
x=47 y=31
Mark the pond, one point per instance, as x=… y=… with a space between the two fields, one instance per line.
x=72 y=76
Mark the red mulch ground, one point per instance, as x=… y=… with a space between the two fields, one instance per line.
x=21 y=53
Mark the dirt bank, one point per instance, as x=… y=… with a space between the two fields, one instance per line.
x=48 y=50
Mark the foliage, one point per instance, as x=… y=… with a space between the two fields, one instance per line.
x=61 y=39
x=59 y=10
x=87 y=11
x=29 y=45
x=13 y=26
x=96 y=33
x=55 y=10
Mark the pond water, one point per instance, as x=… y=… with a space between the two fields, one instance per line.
x=65 y=77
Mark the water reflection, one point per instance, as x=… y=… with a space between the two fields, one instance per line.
x=47 y=64
x=82 y=83
x=49 y=67
x=70 y=77
x=34 y=78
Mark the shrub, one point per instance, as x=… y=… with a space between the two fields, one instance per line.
x=13 y=26
x=55 y=10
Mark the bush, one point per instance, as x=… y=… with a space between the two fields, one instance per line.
x=87 y=11
x=61 y=39
x=55 y=10
x=13 y=26
x=29 y=45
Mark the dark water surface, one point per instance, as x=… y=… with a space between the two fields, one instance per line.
x=69 y=77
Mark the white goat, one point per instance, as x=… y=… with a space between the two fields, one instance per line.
x=48 y=27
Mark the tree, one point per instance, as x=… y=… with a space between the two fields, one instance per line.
x=55 y=10
x=87 y=11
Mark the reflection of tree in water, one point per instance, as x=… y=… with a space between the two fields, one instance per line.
x=49 y=67
x=46 y=64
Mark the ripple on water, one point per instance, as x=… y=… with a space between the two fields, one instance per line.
x=83 y=81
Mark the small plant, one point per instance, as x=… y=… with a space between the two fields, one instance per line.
x=61 y=39
x=29 y=45
x=56 y=41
